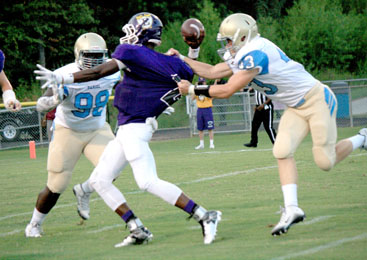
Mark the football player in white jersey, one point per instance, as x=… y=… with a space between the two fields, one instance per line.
x=80 y=126
x=250 y=59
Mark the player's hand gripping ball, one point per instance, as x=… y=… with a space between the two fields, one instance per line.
x=193 y=32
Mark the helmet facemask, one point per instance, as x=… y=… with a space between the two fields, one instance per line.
x=91 y=58
x=90 y=50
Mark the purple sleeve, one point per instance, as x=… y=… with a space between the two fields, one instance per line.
x=2 y=60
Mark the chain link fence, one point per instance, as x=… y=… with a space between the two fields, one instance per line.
x=17 y=129
x=230 y=115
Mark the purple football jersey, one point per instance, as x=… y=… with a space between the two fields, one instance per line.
x=147 y=79
x=2 y=60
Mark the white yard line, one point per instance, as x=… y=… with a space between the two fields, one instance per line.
x=315 y=220
x=317 y=249
x=105 y=228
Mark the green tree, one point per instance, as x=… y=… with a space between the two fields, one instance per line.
x=40 y=31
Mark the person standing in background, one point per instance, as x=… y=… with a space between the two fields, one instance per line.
x=264 y=114
x=204 y=117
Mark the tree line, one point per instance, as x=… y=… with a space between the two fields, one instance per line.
x=323 y=34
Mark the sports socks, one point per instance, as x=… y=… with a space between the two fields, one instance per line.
x=211 y=142
x=357 y=141
x=38 y=217
x=87 y=187
x=189 y=208
x=290 y=195
x=128 y=215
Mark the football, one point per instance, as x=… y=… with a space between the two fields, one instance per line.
x=193 y=32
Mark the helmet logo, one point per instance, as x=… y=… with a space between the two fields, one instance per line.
x=145 y=21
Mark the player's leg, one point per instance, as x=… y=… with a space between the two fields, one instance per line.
x=211 y=138
x=324 y=132
x=135 y=141
x=111 y=163
x=200 y=126
x=255 y=125
x=64 y=151
x=93 y=151
x=292 y=130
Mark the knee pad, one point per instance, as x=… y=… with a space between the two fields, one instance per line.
x=58 y=182
x=100 y=185
x=145 y=184
x=323 y=158
x=283 y=147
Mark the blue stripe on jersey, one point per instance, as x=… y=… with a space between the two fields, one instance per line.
x=283 y=56
x=330 y=100
x=255 y=59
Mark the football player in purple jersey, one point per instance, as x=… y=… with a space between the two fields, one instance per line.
x=10 y=101
x=146 y=91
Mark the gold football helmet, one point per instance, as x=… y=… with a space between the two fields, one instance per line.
x=234 y=32
x=90 y=50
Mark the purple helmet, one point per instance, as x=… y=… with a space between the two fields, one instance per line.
x=143 y=28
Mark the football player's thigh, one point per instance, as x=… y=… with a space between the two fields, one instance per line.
x=324 y=134
x=96 y=146
x=292 y=129
x=64 y=151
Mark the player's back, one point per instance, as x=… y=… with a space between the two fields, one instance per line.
x=84 y=107
x=147 y=79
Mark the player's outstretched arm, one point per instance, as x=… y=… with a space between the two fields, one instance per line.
x=94 y=73
x=202 y=69
x=234 y=84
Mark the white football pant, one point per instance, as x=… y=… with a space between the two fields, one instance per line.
x=130 y=145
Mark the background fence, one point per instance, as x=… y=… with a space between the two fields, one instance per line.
x=230 y=115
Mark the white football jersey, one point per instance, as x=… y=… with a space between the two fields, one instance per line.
x=280 y=78
x=84 y=107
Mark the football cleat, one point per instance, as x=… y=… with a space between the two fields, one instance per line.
x=138 y=236
x=290 y=216
x=209 y=225
x=199 y=147
x=82 y=201
x=363 y=132
x=33 y=230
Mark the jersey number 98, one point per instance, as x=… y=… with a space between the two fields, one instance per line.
x=84 y=103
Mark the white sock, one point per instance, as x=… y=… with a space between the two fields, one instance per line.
x=357 y=141
x=202 y=142
x=290 y=195
x=87 y=187
x=38 y=217
x=211 y=142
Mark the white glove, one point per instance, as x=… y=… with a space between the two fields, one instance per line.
x=52 y=77
x=58 y=91
x=153 y=122
x=11 y=103
x=169 y=111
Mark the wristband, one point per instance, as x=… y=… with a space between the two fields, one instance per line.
x=182 y=57
x=201 y=90
x=194 y=53
x=67 y=78
x=8 y=95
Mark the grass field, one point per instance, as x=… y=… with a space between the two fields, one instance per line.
x=242 y=183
